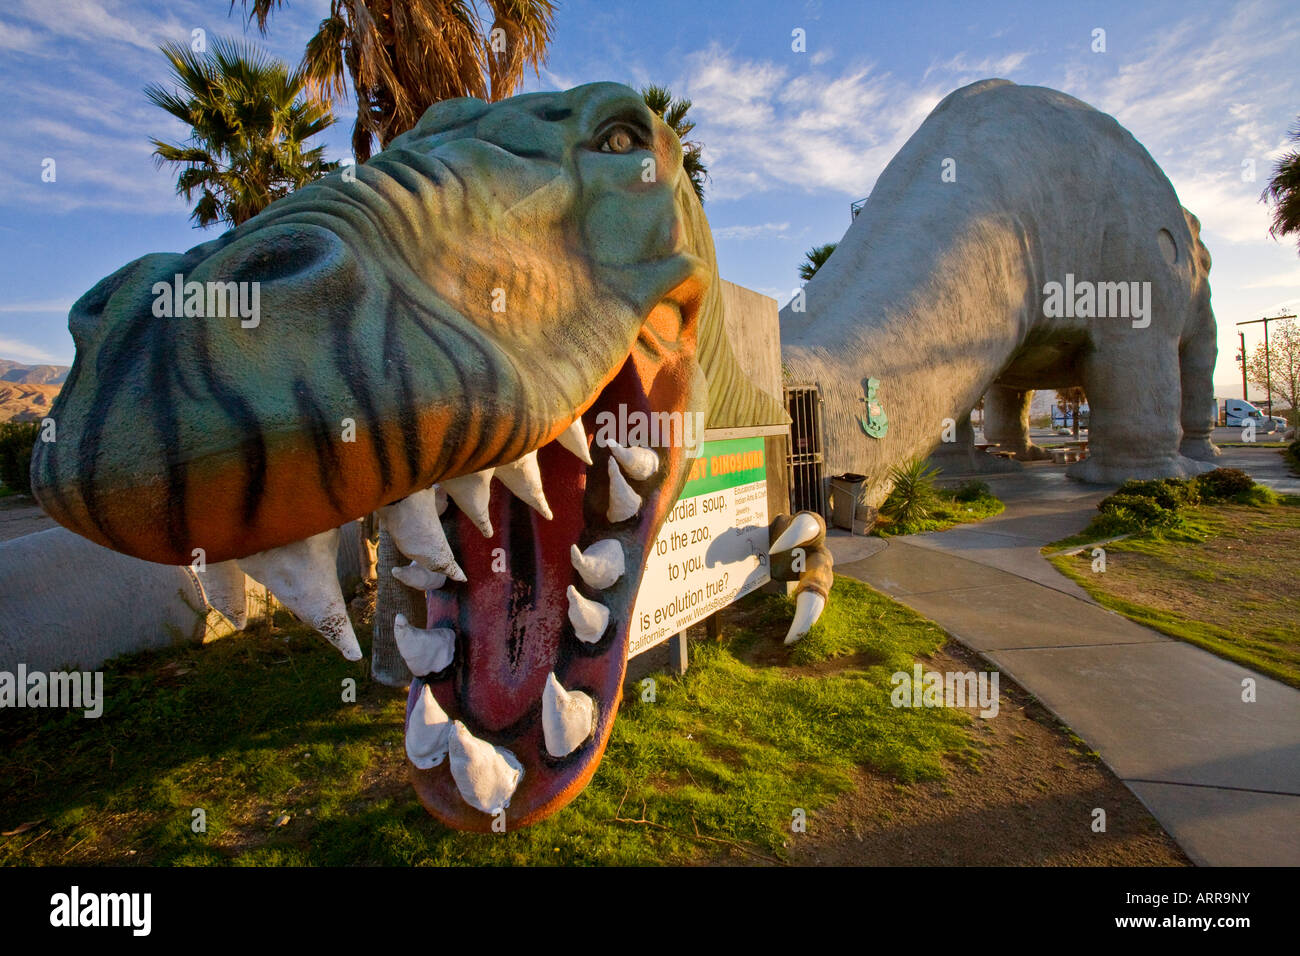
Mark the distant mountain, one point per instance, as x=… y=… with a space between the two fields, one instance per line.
x=25 y=403
x=11 y=371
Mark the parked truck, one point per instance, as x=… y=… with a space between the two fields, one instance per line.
x=1237 y=411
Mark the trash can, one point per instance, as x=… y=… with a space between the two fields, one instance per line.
x=846 y=492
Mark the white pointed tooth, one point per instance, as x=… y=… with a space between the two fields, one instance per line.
x=304 y=577
x=428 y=730
x=574 y=438
x=421 y=579
x=524 y=479
x=624 y=502
x=601 y=564
x=440 y=497
x=223 y=587
x=802 y=529
x=567 y=717
x=472 y=494
x=639 y=463
x=486 y=776
x=425 y=650
x=808 y=606
x=589 y=618
x=417 y=532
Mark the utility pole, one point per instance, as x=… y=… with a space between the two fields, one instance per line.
x=1245 y=391
x=1268 y=376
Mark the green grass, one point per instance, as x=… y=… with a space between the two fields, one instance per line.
x=253 y=726
x=945 y=512
x=1224 y=581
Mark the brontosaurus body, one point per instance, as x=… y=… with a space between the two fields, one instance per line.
x=969 y=271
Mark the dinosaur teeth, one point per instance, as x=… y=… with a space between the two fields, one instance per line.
x=567 y=717
x=472 y=494
x=624 y=502
x=421 y=579
x=417 y=532
x=304 y=578
x=440 y=499
x=639 y=463
x=524 y=479
x=804 y=528
x=589 y=618
x=601 y=564
x=427 y=732
x=574 y=438
x=425 y=650
x=808 y=606
x=486 y=776
x=223 y=587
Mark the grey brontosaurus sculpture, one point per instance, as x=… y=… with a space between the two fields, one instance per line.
x=1020 y=239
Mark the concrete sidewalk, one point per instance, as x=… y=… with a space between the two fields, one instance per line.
x=1221 y=776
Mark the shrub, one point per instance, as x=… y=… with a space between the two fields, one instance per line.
x=1171 y=493
x=1147 y=512
x=1292 y=455
x=16 y=441
x=1223 y=483
x=1113 y=523
x=913 y=493
x=972 y=490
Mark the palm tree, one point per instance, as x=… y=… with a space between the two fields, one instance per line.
x=1284 y=192
x=673 y=113
x=250 y=119
x=814 y=259
x=402 y=56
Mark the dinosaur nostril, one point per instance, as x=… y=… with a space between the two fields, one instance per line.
x=280 y=252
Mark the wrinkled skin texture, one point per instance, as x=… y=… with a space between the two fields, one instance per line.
x=458 y=301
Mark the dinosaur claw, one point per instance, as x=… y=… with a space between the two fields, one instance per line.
x=808 y=607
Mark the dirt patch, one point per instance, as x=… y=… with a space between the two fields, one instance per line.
x=1030 y=802
x=20 y=515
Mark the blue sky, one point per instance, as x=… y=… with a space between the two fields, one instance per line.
x=791 y=139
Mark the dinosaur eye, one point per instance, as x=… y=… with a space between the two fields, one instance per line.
x=619 y=139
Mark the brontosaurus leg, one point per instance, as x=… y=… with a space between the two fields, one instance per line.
x=1196 y=359
x=1134 y=393
x=1006 y=421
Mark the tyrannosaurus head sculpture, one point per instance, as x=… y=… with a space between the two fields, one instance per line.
x=462 y=308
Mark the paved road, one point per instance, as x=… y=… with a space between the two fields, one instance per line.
x=1222 y=776
x=20 y=515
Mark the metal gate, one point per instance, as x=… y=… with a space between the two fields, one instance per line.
x=805 y=464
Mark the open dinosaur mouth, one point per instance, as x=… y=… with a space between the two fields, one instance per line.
x=524 y=660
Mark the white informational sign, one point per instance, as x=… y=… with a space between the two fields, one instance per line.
x=712 y=548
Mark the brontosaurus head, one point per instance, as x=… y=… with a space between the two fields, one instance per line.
x=472 y=304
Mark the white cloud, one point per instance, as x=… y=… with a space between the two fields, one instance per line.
x=22 y=352
x=770 y=127
x=49 y=305
x=1278 y=280
x=759 y=231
